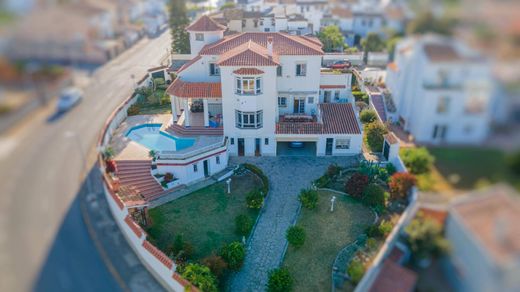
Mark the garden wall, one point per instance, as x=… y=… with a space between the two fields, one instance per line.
x=159 y=265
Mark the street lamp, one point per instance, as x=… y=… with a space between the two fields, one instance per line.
x=228 y=181
x=332 y=200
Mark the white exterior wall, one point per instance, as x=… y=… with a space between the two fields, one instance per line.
x=355 y=145
x=184 y=170
x=209 y=38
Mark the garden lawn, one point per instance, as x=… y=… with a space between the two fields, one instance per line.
x=148 y=108
x=205 y=218
x=326 y=234
x=474 y=166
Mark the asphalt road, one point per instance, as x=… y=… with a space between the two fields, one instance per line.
x=44 y=244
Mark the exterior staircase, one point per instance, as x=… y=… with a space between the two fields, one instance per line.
x=135 y=175
x=379 y=104
x=179 y=130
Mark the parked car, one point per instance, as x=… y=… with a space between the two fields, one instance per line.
x=69 y=97
x=342 y=64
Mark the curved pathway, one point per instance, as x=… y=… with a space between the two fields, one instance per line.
x=287 y=176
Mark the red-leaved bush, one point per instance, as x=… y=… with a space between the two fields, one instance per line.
x=168 y=177
x=400 y=184
x=110 y=166
x=356 y=184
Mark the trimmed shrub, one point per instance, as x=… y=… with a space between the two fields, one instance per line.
x=199 y=276
x=108 y=153
x=371 y=243
x=390 y=168
x=322 y=182
x=400 y=184
x=168 y=177
x=425 y=238
x=355 y=270
x=360 y=96
x=234 y=254
x=265 y=181
x=373 y=196
x=356 y=184
x=417 y=160
x=333 y=170
x=110 y=166
x=280 y=280
x=385 y=227
x=374 y=136
x=254 y=199
x=309 y=198
x=216 y=264
x=181 y=250
x=295 y=236
x=367 y=116
x=243 y=225
x=133 y=110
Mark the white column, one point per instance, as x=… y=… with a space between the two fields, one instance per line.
x=206 y=112
x=173 y=100
x=186 y=112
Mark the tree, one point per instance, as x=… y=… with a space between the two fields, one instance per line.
x=372 y=43
x=227 y=5
x=356 y=184
x=400 y=184
x=216 y=264
x=390 y=46
x=426 y=22
x=309 y=198
x=332 y=38
x=417 y=160
x=374 y=196
x=234 y=255
x=199 y=276
x=367 y=116
x=295 y=236
x=178 y=23
x=424 y=236
x=280 y=280
x=374 y=136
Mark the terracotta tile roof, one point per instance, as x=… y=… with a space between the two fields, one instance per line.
x=136 y=229
x=332 y=86
x=248 y=71
x=441 y=53
x=248 y=54
x=485 y=215
x=395 y=13
x=342 y=12
x=283 y=44
x=394 y=278
x=188 y=64
x=337 y=118
x=205 y=23
x=180 y=88
x=434 y=214
x=158 y=254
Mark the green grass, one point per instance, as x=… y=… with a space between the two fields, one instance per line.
x=205 y=218
x=469 y=167
x=326 y=234
x=146 y=107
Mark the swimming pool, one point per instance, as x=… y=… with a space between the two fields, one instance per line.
x=151 y=137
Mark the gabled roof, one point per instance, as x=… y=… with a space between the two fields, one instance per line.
x=248 y=71
x=441 y=53
x=205 y=23
x=188 y=64
x=180 y=88
x=248 y=54
x=394 y=278
x=283 y=44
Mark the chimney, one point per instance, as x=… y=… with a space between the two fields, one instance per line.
x=270 y=45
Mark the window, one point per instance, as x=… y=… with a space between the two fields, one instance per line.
x=310 y=100
x=279 y=71
x=267 y=29
x=336 y=95
x=232 y=141
x=195 y=168
x=248 y=120
x=282 y=101
x=214 y=69
x=266 y=141
x=342 y=143
x=442 y=106
x=217 y=159
x=248 y=85
x=199 y=37
x=301 y=69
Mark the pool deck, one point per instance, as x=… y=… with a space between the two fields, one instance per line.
x=126 y=149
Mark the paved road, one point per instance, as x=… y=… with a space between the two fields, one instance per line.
x=43 y=240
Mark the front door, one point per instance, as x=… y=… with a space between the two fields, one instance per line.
x=386 y=149
x=439 y=132
x=327 y=96
x=328 y=146
x=206 y=168
x=257 y=147
x=241 y=146
x=299 y=105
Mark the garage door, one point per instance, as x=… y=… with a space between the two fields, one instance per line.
x=296 y=149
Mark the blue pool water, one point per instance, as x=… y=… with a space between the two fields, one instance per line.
x=151 y=137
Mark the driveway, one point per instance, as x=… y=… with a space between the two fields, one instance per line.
x=287 y=176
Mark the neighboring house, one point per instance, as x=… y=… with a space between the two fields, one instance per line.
x=442 y=90
x=265 y=92
x=485 y=241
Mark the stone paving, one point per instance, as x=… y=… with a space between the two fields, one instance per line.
x=287 y=176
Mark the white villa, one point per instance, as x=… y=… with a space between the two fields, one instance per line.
x=265 y=93
x=441 y=89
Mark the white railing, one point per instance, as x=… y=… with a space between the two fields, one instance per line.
x=173 y=155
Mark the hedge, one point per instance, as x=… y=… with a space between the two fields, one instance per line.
x=256 y=170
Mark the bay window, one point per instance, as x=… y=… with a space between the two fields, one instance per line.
x=248 y=85
x=248 y=120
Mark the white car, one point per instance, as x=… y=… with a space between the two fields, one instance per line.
x=69 y=97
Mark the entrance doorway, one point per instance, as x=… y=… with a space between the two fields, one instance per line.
x=327 y=94
x=299 y=105
x=257 y=147
x=328 y=146
x=439 y=132
x=206 y=168
x=241 y=146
